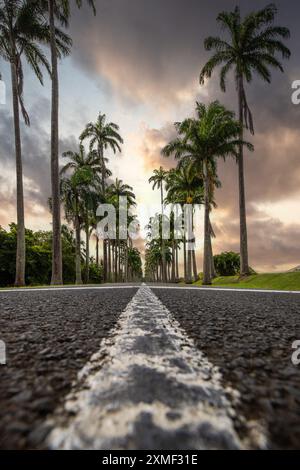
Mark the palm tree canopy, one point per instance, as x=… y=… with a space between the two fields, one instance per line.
x=103 y=135
x=213 y=133
x=79 y=160
x=62 y=8
x=118 y=188
x=22 y=29
x=184 y=186
x=252 y=45
x=158 y=177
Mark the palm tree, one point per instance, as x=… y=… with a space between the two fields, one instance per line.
x=252 y=47
x=103 y=135
x=70 y=196
x=115 y=191
x=85 y=169
x=158 y=178
x=22 y=28
x=80 y=160
x=134 y=264
x=184 y=186
x=213 y=133
x=59 y=9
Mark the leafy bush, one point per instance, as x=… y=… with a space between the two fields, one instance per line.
x=95 y=273
x=38 y=256
x=227 y=263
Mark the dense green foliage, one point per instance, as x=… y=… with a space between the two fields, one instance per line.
x=38 y=257
x=227 y=263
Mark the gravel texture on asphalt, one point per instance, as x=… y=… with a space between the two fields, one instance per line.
x=249 y=335
x=49 y=337
x=148 y=387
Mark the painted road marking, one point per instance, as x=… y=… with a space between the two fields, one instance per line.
x=148 y=387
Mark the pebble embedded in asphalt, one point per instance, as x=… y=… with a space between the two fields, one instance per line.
x=249 y=335
x=49 y=337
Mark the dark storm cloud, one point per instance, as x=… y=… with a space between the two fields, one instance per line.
x=152 y=49
x=36 y=157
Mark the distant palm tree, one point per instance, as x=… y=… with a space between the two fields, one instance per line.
x=184 y=186
x=84 y=169
x=134 y=264
x=115 y=191
x=103 y=135
x=213 y=133
x=158 y=179
x=22 y=28
x=60 y=10
x=80 y=159
x=252 y=46
x=73 y=208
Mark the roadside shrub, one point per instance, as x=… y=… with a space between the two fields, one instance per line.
x=95 y=273
x=38 y=256
x=227 y=263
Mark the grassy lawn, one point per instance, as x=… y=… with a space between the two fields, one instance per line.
x=280 y=281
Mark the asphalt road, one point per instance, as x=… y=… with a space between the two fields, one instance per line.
x=249 y=335
x=49 y=336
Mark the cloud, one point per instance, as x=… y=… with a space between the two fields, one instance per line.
x=152 y=52
x=273 y=245
x=152 y=142
x=36 y=165
x=144 y=51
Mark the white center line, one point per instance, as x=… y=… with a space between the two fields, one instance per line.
x=148 y=387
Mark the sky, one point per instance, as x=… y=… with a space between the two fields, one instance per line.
x=138 y=61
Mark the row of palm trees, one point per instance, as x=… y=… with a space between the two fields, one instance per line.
x=211 y=134
x=84 y=186
x=26 y=27
x=250 y=46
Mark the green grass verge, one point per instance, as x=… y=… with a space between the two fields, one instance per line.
x=280 y=281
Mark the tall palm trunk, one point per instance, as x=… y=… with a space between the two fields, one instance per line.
x=87 y=253
x=56 y=222
x=20 y=255
x=116 y=262
x=184 y=248
x=213 y=272
x=176 y=263
x=78 y=252
x=206 y=254
x=103 y=168
x=105 y=242
x=112 y=275
x=242 y=199
x=109 y=260
x=163 y=249
x=104 y=260
x=212 y=263
x=173 y=275
x=119 y=261
x=195 y=273
x=97 y=250
x=184 y=258
x=126 y=262
x=188 y=219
